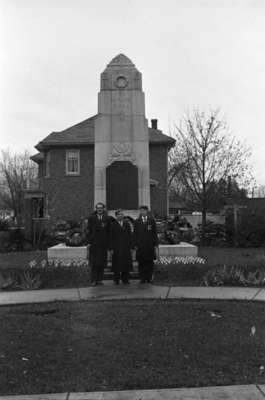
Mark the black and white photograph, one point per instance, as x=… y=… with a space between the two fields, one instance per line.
x=132 y=200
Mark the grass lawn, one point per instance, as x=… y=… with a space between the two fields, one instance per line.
x=180 y=274
x=233 y=255
x=89 y=346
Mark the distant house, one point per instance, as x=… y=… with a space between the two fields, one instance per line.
x=177 y=205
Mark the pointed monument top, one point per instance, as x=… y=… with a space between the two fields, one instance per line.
x=121 y=60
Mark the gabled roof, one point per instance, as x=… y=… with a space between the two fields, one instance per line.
x=79 y=134
x=83 y=133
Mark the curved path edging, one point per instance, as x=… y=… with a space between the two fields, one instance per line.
x=132 y=292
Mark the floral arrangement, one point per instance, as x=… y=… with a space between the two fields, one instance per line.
x=170 y=260
x=58 y=263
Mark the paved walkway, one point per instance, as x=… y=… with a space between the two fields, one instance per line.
x=244 y=392
x=132 y=291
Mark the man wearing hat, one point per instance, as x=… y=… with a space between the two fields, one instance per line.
x=121 y=248
x=146 y=244
x=98 y=239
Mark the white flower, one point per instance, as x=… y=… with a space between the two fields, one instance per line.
x=32 y=263
x=253 y=331
x=170 y=260
x=43 y=263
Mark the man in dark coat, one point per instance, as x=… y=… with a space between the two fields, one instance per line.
x=146 y=243
x=121 y=247
x=98 y=239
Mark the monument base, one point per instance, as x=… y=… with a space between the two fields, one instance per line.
x=61 y=252
x=134 y=214
x=182 y=249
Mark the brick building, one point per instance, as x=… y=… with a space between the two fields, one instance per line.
x=113 y=156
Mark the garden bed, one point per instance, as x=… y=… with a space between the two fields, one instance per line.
x=114 y=345
x=244 y=267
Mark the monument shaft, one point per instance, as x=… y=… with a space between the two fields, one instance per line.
x=121 y=138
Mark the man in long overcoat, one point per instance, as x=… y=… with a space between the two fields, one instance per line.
x=146 y=243
x=98 y=239
x=121 y=244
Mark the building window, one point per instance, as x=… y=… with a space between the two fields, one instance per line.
x=47 y=164
x=72 y=162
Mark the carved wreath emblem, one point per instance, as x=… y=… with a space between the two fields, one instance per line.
x=122 y=151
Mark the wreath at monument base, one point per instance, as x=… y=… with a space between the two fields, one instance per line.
x=75 y=238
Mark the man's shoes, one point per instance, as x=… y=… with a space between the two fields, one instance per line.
x=116 y=282
x=126 y=282
x=149 y=281
x=100 y=283
x=142 y=281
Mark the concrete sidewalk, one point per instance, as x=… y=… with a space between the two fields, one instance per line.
x=132 y=291
x=244 y=392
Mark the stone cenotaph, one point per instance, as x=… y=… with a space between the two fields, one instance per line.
x=122 y=177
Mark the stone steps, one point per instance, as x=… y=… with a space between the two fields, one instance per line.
x=108 y=275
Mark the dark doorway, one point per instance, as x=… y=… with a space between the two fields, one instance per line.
x=122 y=186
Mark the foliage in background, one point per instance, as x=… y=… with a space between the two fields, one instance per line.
x=214 y=234
x=250 y=227
x=11 y=239
x=71 y=232
x=251 y=232
x=206 y=153
x=259 y=191
x=17 y=173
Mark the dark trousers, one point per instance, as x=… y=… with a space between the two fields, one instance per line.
x=97 y=273
x=146 y=269
x=124 y=276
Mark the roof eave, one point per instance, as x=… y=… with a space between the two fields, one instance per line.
x=46 y=145
x=167 y=143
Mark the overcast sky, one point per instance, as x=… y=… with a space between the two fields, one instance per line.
x=192 y=53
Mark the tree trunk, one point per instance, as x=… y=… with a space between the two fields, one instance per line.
x=204 y=211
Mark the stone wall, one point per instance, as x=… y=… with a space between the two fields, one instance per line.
x=158 y=172
x=69 y=197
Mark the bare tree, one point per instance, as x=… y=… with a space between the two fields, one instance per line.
x=205 y=153
x=17 y=173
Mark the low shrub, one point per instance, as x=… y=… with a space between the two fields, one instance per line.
x=16 y=239
x=3 y=224
x=235 y=276
x=44 y=274
x=29 y=280
x=8 y=280
x=214 y=235
x=4 y=241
